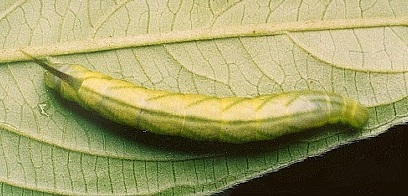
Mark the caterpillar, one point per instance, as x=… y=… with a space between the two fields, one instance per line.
x=200 y=117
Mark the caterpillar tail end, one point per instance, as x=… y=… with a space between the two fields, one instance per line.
x=52 y=81
x=66 y=89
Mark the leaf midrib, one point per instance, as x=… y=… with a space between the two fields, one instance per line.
x=251 y=30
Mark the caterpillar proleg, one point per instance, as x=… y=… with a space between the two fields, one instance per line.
x=201 y=117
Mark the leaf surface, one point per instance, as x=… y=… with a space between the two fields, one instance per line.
x=223 y=48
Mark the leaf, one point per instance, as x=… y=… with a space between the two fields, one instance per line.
x=223 y=48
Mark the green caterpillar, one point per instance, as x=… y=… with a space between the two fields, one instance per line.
x=201 y=117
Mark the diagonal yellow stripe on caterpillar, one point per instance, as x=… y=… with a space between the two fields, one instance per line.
x=201 y=117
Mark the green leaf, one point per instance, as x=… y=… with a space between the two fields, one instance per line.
x=223 y=48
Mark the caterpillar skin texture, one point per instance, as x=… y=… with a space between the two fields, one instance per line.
x=201 y=117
